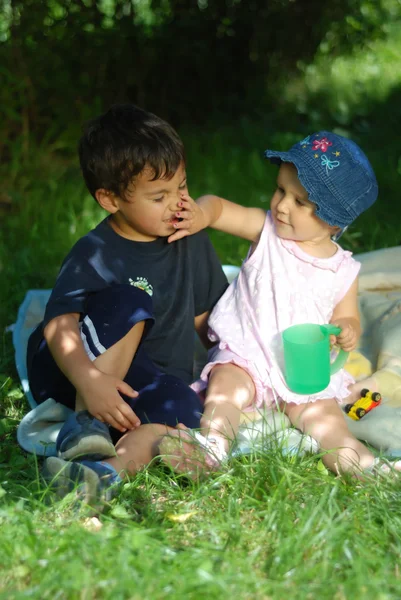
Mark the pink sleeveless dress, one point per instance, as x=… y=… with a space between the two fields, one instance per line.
x=279 y=285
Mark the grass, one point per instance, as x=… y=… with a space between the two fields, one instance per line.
x=267 y=526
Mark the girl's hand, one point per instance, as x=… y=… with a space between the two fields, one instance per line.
x=348 y=338
x=193 y=219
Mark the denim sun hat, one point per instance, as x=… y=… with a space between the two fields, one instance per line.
x=336 y=174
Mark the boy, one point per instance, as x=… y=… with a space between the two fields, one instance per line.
x=117 y=340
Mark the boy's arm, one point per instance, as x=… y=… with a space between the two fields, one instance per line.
x=99 y=391
x=346 y=316
x=221 y=214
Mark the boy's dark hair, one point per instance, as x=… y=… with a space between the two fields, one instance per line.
x=116 y=146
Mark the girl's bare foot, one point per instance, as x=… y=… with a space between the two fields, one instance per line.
x=384 y=468
x=190 y=453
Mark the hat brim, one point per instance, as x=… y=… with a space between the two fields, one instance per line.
x=308 y=177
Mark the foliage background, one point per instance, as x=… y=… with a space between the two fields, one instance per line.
x=191 y=61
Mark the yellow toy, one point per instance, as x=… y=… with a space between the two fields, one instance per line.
x=367 y=402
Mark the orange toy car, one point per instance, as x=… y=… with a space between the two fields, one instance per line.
x=367 y=402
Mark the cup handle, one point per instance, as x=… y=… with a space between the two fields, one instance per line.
x=342 y=355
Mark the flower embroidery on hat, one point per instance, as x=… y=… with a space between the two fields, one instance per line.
x=322 y=144
x=305 y=141
x=329 y=164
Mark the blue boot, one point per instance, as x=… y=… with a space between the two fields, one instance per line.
x=83 y=436
x=94 y=482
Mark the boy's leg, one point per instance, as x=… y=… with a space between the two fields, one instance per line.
x=97 y=481
x=325 y=422
x=117 y=359
x=136 y=449
x=112 y=329
x=83 y=435
x=161 y=405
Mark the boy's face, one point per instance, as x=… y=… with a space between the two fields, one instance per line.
x=293 y=214
x=148 y=210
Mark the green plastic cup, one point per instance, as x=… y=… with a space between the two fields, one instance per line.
x=307 y=357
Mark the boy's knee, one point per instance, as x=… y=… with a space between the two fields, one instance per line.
x=112 y=313
x=169 y=401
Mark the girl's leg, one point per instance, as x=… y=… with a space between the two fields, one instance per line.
x=230 y=390
x=325 y=422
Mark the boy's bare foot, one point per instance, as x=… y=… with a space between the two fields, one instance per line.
x=190 y=453
x=355 y=389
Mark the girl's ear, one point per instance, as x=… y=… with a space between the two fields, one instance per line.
x=107 y=200
x=336 y=233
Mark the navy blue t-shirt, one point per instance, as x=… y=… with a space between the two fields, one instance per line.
x=184 y=279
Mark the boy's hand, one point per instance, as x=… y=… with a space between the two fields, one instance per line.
x=193 y=219
x=348 y=338
x=102 y=399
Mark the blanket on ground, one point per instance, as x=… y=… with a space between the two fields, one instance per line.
x=379 y=353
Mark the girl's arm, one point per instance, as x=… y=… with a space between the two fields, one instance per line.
x=346 y=316
x=212 y=211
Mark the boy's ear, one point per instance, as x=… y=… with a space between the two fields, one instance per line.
x=107 y=200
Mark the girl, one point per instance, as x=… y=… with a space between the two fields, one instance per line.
x=294 y=273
